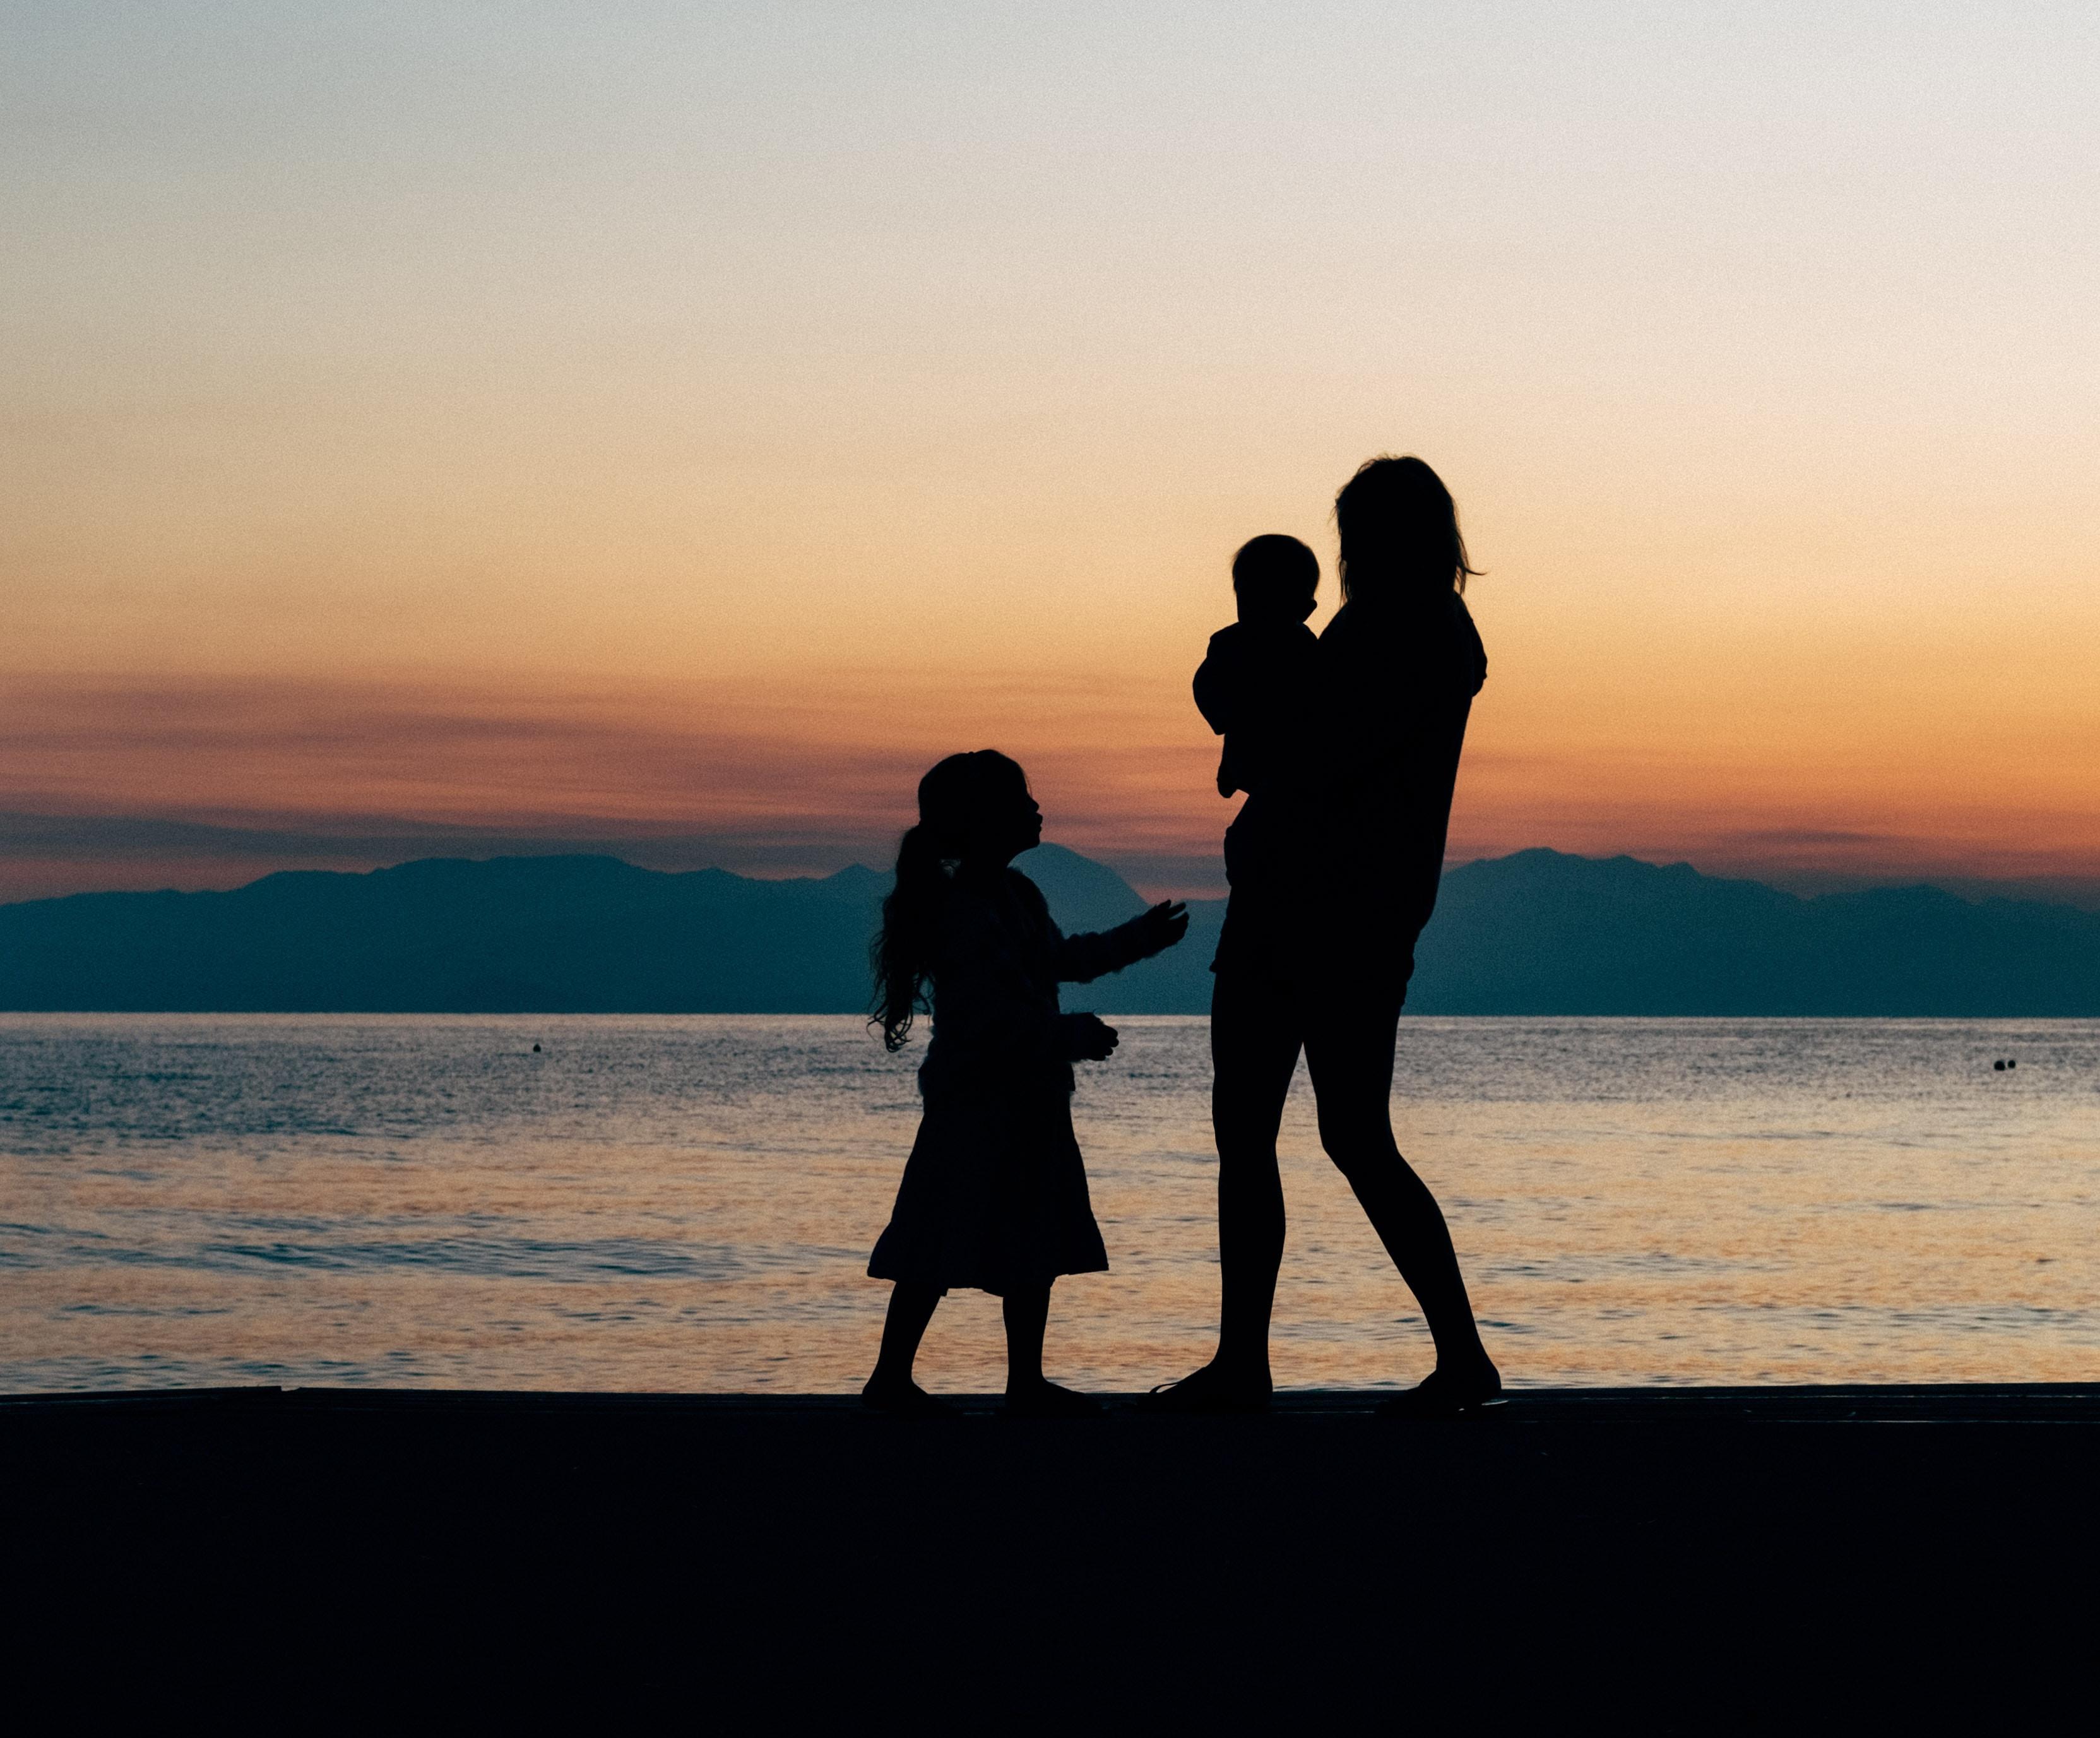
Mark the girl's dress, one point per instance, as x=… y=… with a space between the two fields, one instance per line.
x=994 y=1193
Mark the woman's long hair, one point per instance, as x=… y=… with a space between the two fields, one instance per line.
x=951 y=797
x=1399 y=531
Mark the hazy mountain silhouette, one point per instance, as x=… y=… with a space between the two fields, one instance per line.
x=1539 y=933
x=1543 y=932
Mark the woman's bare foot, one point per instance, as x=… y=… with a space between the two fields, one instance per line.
x=1446 y=1392
x=903 y=1400
x=1215 y=1389
x=1046 y=1400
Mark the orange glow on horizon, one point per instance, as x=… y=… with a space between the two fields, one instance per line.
x=803 y=781
x=679 y=430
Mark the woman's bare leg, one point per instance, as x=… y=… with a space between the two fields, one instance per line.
x=1254 y=1052
x=1350 y=1053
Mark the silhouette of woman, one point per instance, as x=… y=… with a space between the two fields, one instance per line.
x=994 y=1193
x=1362 y=812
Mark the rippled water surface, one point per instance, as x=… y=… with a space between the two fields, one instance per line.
x=687 y=1203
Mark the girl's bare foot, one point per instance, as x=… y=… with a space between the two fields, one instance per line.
x=1046 y=1400
x=904 y=1400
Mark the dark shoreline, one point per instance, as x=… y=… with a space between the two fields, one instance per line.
x=1934 y=1403
x=797 y=1539
x=776 y=1525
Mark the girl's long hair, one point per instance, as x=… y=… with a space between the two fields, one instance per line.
x=950 y=797
x=1400 y=532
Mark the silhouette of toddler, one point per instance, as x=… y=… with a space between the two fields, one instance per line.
x=1255 y=685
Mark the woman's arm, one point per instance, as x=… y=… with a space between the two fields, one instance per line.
x=1390 y=686
x=1217 y=679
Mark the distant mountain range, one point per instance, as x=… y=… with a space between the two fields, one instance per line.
x=1539 y=933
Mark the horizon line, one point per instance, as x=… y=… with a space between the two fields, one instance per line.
x=1972 y=890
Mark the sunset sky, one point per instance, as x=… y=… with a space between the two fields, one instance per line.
x=666 y=428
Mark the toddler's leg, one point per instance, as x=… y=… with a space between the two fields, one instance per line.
x=891 y=1388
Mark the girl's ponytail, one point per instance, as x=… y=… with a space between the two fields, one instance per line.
x=903 y=946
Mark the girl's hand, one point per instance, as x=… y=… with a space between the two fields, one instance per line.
x=1162 y=927
x=1093 y=1040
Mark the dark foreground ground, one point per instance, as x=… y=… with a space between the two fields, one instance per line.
x=1613 y=1551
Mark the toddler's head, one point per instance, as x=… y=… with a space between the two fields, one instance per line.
x=1275 y=578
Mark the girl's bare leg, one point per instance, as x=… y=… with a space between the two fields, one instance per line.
x=910 y=1308
x=1028 y=1391
x=1027 y=1316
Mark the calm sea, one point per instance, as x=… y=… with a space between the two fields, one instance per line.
x=687 y=1203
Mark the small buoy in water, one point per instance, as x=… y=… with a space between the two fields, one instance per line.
x=1999 y=1067
x=536 y=1050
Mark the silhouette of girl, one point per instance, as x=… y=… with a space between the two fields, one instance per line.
x=1334 y=874
x=994 y=1193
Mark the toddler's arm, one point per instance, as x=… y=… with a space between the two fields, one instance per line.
x=1266 y=692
